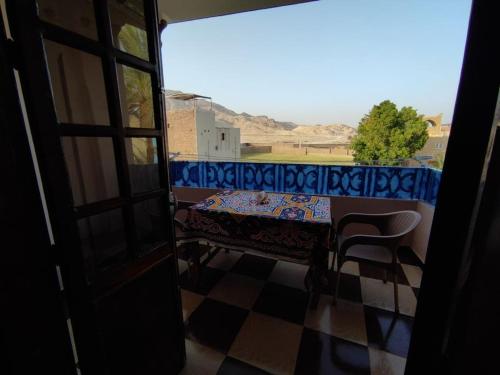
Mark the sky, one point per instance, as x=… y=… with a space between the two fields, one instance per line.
x=323 y=62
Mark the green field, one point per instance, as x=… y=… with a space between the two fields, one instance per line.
x=294 y=158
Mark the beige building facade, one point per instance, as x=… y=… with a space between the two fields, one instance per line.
x=194 y=133
x=435 y=147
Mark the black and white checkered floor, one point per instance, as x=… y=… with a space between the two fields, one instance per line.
x=250 y=316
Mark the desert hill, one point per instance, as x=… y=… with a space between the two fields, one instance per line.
x=263 y=129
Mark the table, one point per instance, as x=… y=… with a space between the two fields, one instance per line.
x=293 y=227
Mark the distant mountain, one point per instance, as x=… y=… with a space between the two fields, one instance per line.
x=262 y=129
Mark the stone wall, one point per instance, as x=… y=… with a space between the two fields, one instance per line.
x=181 y=132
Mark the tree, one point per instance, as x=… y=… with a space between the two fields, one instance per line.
x=386 y=134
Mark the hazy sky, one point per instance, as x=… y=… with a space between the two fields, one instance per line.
x=323 y=62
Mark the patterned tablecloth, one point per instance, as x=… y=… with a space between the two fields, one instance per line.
x=288 y=225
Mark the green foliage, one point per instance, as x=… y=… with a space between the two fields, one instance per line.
x=137 y=83
x=138 y=90
x=386 y=134
x=134 y=40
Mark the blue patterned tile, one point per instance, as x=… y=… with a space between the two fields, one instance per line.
x=258 y=176
x=348 y=181
x=361 y=181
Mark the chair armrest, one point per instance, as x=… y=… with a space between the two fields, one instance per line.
x=390 y=242
x=377 y=220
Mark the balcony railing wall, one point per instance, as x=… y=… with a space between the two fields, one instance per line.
x=416 y=183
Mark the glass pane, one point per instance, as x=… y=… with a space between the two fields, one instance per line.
x=91 y=168
x=142 y=157
x=103 y=240
x=136 y=96
x=151 y=224
x=77 y=85
x=75 y=15
x=129 y=27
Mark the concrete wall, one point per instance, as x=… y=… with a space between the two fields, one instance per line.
x=205 y=131
x=435 y=146
x=227 y=142
x=438 y=139
x=333 y=180
x=290 y=148
x=422 y=232
x=216 y=139
x=340 y=206
x=256 y=149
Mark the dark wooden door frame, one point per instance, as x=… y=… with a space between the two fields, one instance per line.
x=84 y=302
x=35 y=336
x=454 y=218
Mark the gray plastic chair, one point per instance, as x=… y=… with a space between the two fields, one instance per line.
x=379 y=250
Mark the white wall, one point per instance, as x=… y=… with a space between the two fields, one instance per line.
x=215 y=139
x=205 y=131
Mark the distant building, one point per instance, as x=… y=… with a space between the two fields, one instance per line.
x=194 y=133
x=435 y=147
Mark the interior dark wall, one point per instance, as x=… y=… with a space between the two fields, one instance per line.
x=454 y=217
x=476 y=326
x=33 y=324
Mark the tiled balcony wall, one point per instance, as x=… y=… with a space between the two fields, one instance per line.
x=408 y=183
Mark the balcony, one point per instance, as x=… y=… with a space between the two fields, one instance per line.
x=256 y=295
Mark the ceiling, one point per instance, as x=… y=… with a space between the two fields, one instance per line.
x=174 y=11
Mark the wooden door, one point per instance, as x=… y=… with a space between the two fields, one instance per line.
x=34 y=336
x=91 y=76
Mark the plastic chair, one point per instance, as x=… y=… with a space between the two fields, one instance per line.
x=378 y=250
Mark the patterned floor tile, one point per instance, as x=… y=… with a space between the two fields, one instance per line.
x=201 y=360
x=416 y=291
x=407 y=256
x=254 y=266
x=190 y=301
x=388 y=331
x=282 y=302
x=268 y=343
x=209 y=277
x=321 y=354
x=182 y=266
x=232 y=366
x=373 y=272
x=225 y=261
x=383 y=363
x=350 y=267
x=377 y=294
x=289 y=274
x=215 y=324
x=413 y=274
x=345 y=320
x=238 y=290
x=350 y=287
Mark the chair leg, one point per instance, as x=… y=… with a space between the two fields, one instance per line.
x=333 y=260
x=339 y=266
x=396 y=301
